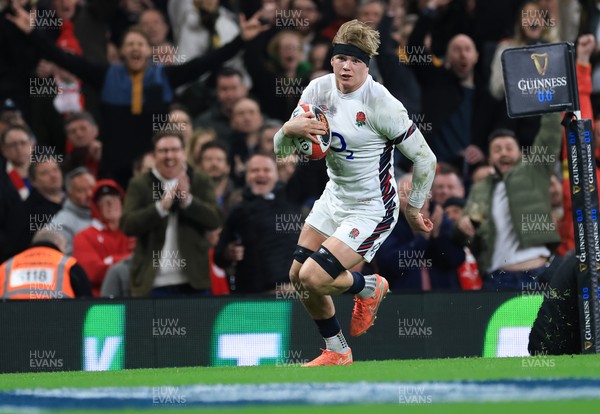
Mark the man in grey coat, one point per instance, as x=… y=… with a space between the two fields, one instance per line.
x=75 y=214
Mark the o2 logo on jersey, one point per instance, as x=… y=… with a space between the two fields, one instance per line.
x=305 y=145
x=344 y=147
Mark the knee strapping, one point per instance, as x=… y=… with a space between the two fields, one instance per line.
x=302 y=253
x=328 y=262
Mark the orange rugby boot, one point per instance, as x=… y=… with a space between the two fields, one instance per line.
x=328 y=358
x=365 y=310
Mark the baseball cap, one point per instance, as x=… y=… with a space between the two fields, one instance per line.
x=106 y=190
x=107 y=187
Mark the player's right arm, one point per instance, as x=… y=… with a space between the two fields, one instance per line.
x=301 y=126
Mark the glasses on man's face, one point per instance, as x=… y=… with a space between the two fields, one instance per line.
x=167 y=150
x=17 y=144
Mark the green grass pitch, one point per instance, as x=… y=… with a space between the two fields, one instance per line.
x=374 y=371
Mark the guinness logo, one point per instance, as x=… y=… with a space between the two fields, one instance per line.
x=582 y=267
x=587 y=345
x=592 y=189
x=541 y=62
x=576 y=189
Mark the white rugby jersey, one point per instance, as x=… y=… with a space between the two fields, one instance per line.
x=364 y=125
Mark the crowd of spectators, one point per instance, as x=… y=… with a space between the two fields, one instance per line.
x=141 y=130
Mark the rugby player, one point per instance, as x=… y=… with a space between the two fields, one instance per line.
x=359 y=206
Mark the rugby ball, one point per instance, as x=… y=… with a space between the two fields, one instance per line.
x=305 y=146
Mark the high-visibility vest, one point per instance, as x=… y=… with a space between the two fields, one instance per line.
x=37 y=273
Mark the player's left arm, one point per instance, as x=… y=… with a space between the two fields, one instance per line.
x=414 y=147
x=394 y=123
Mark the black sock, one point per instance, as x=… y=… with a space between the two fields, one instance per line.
x=328 y=327
x=358 y=284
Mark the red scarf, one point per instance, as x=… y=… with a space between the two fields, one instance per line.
x=17 y=181
x=67 y=39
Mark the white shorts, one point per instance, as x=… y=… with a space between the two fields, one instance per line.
x=362 y=225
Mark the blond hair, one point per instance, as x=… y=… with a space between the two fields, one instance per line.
x=360 y=35
x=273 y=46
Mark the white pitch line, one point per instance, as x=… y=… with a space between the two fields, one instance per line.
x=413 y=393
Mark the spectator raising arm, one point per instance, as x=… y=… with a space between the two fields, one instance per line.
x=187 y=72
x=87 y=71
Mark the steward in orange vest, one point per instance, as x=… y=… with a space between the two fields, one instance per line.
x=43 y=272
